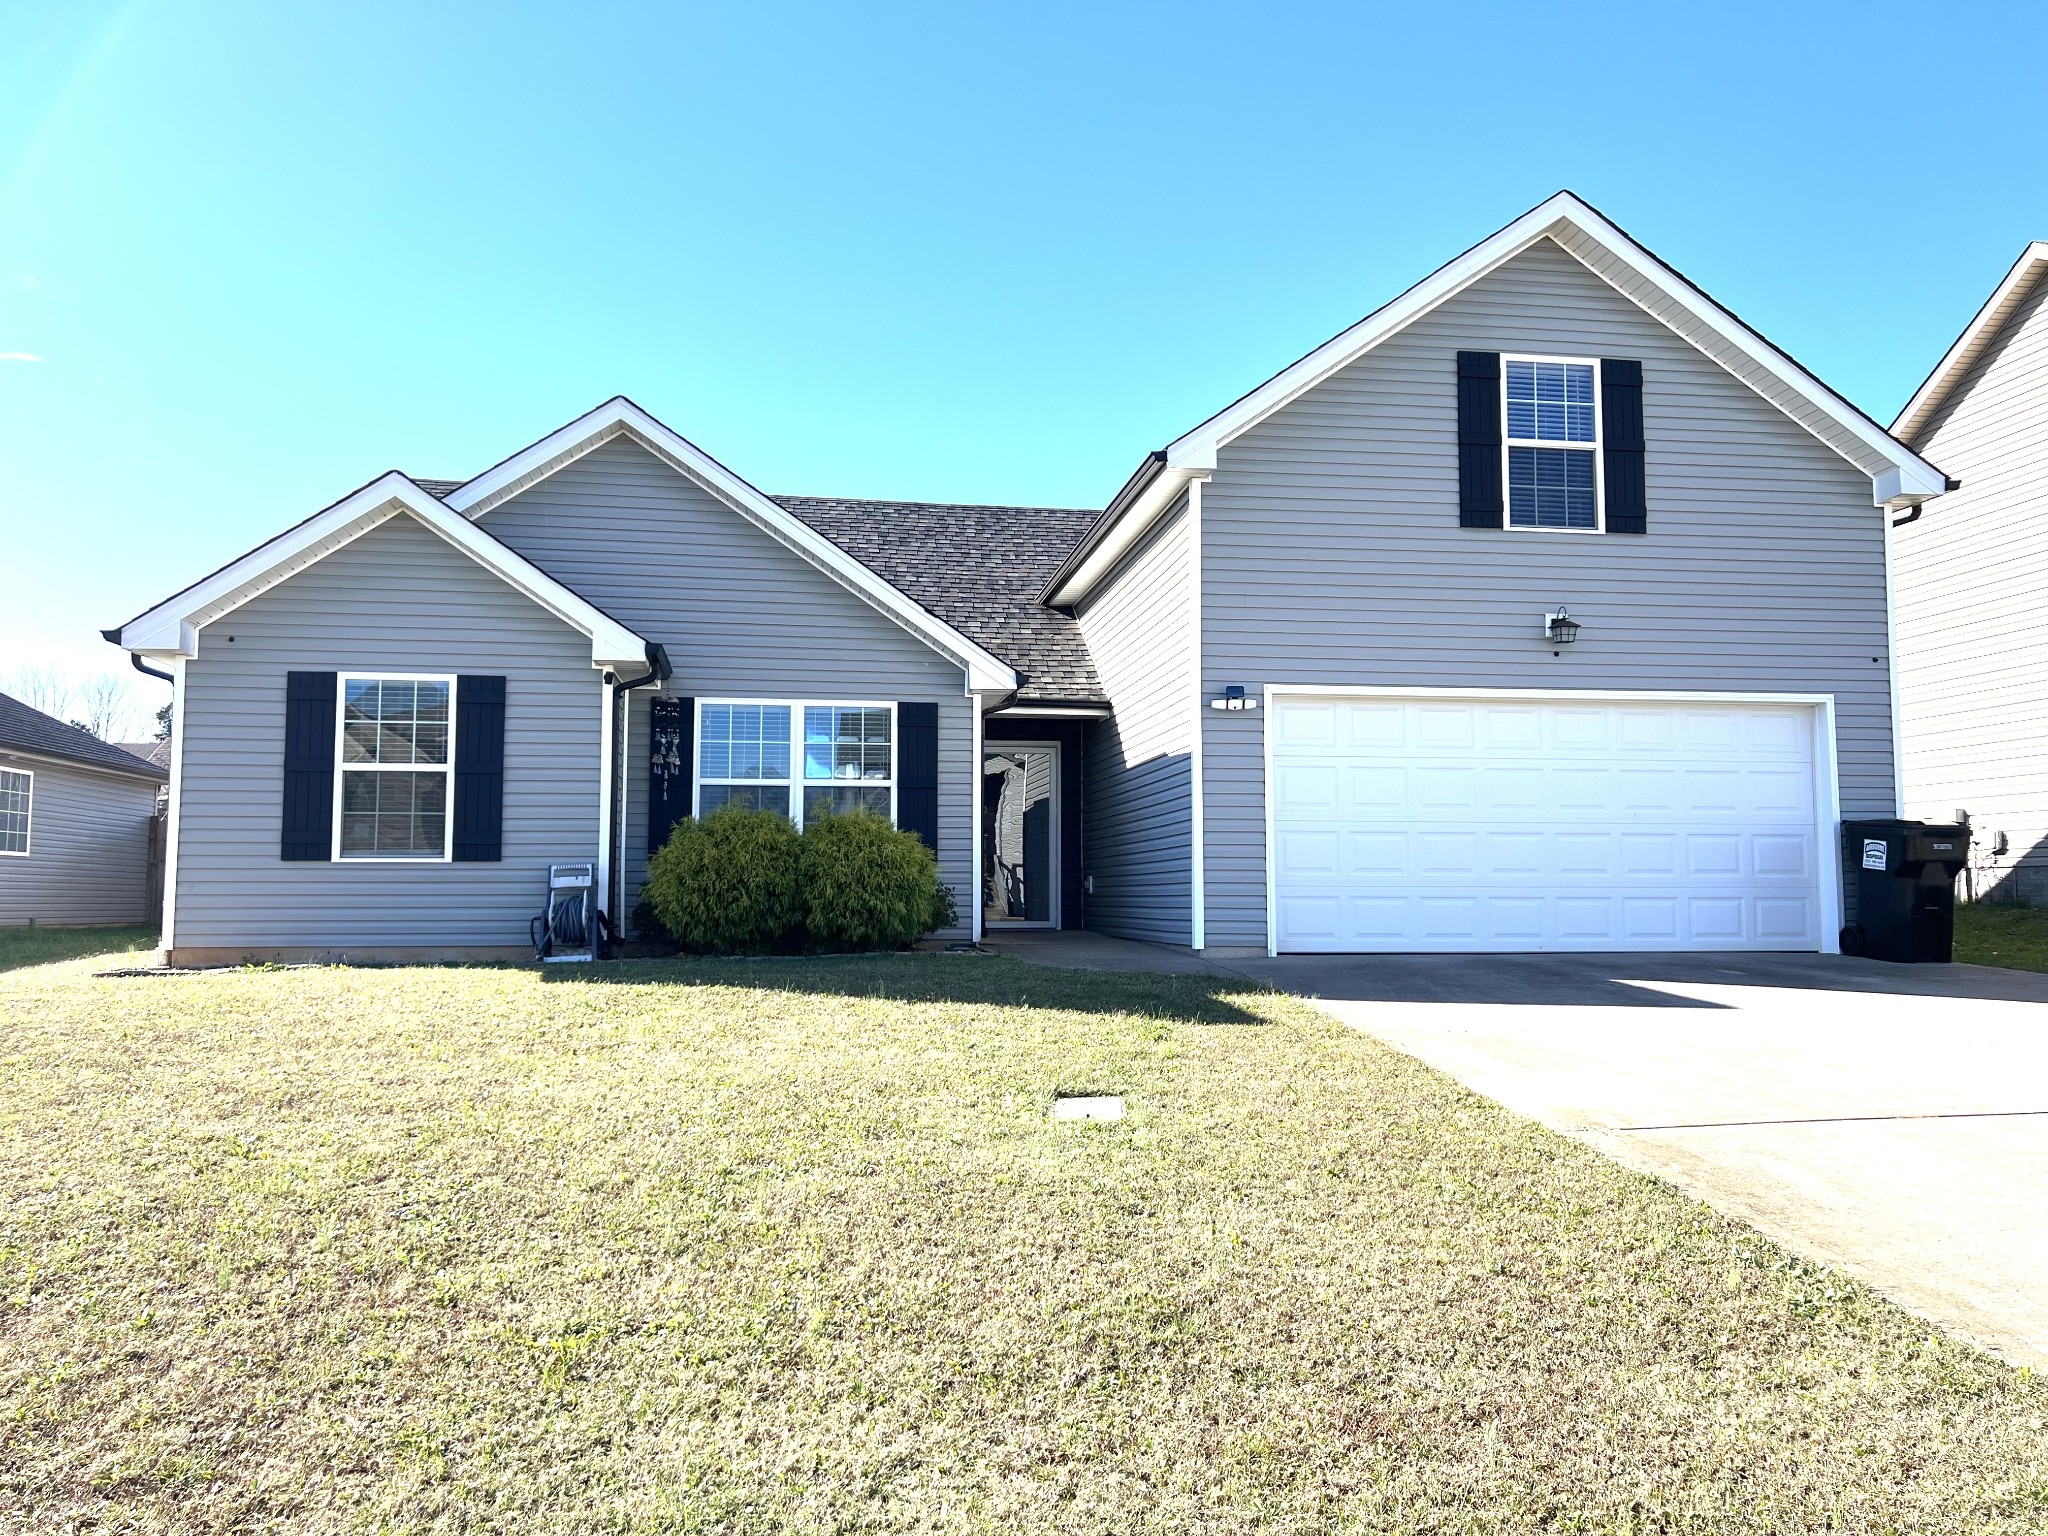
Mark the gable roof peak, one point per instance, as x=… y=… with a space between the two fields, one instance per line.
x=2013 y=290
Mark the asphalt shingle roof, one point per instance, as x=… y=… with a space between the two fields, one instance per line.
x=158 y=752
x=30 y=730
x=980 y=569
x=438 y=488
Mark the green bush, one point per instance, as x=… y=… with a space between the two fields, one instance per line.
x=866 y=885
x=727 y=882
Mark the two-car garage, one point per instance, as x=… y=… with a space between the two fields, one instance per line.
x=1402 y=821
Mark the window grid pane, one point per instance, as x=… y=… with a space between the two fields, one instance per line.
x=752 y=797
x=745 y=741
x=841 y=743
x=393 y=815
x=14 y=797
x=843 y=799
x=391 y=720
x=1550 y=402
x=1551 y=488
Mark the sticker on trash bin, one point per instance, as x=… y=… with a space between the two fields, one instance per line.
x=1873 y=853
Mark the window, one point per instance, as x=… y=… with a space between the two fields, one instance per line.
x=17 y=789
x=1552 y=402
x=749 y=752
x=393 y=781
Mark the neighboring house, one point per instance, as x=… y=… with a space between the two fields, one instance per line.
x=1305 y=684
x=74 y=823
x=1972 y=579
x=157 y=753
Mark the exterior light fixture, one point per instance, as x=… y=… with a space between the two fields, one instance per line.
x=1559 y=627
x=1234 y=697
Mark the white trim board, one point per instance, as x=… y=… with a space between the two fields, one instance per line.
x=171 y=629
x=1899 y=476
x=1827 y=799
x=2012 y=291
x=620 y=417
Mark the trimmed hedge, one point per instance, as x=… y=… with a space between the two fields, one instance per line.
x=727 y=882
x=744 y=880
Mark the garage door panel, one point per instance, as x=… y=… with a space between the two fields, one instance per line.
x=1452 y=826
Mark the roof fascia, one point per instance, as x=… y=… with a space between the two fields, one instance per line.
x=172 y=627
x=1092 y=563
x=620 y=416
x=1911 y=477
x=1983 y=329
x=149 y=773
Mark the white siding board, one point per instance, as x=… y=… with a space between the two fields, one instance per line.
x=88 y=847
x=1972 y=576
x=1137 y=832
x=398 y=599
x=740 y=614
x=1332 y=553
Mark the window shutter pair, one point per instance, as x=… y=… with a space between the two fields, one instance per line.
x=671 y=765
x=1482 y=499
x=307 y=832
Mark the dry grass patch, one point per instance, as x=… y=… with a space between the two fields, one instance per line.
x=792 y=1245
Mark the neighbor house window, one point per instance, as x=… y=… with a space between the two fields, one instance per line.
x=1553 y=443
x=797 y=759
x=395 y=764
x=17 y=789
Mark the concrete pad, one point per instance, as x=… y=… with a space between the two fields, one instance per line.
x=1889 y=1121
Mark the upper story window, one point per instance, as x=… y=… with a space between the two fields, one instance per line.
x=17 y=790
x=797 y=759
x=1552 y=414
x=392 y=780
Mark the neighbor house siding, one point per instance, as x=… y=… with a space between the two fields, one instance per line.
x=1137 y=846
x=1971 y=574
x=398 y=599
x=740 y=614
x=1332 y=554
x=88 y=847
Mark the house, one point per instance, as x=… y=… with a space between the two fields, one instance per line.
x=74 y=823
x=1544 y=608
x=1971 y=578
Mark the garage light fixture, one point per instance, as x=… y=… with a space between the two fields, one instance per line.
x=1559 y=627
x=1234 y=697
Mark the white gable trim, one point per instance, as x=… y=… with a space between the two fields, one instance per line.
x=620 y=417
x=171 y=629
x=1977 y=336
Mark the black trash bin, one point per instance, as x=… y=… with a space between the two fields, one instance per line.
x=1905 y=889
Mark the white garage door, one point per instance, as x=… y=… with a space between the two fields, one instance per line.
x=1503 y=824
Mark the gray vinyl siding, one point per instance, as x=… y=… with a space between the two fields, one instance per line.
x=1970 y=575
x=1332 y=554
x=398 y=599
x=741 y=616
x=88 y=847
x=1137 y=845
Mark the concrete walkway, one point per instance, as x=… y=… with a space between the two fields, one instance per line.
x=1889 y=1121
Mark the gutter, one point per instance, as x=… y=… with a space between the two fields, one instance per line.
x=658 y=671
x=1147 y=472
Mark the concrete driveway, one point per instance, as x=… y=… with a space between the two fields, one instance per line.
x=1889 y=1121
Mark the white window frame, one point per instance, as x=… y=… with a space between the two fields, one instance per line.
x=1507 y=500
x=28 y=845
x=796 y=781
x=341 y=767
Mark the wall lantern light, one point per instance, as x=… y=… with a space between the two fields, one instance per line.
x=1559 y=627
x=1234 y=697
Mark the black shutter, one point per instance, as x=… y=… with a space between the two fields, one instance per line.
x=1479 y=500
x=671 y=746
x=917 y=771
x=479 y=770
x=1621 y=444
x=306 y=834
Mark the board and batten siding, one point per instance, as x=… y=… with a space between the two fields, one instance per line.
x=1137 y=839
x=1973 y=644
x=397 y=599
x=88 y=847
x=741 y=615
x=1332 y=554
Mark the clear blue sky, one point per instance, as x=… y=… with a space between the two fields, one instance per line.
x=970 y=252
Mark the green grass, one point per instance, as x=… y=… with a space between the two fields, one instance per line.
x=1988 y=933
x=792 y=1246
x=39 y=946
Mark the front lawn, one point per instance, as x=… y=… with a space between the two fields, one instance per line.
x=23 y=945
x=1989 y=933
x=792 y=1245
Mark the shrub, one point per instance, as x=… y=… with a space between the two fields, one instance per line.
x=727 y=882
x=868 y=886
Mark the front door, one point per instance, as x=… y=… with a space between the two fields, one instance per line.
x=1020 y=834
